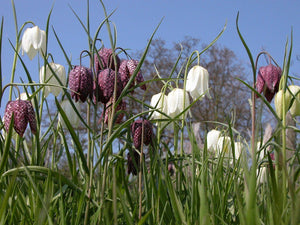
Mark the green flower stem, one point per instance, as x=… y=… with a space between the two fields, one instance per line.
x=283 y=151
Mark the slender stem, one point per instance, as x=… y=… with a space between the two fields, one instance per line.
x=140 y=173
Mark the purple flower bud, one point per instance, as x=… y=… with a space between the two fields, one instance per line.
x=136 y=131
x=23 y=114
x=105 y=60
x=127 y=69
x=268 y=79
x=81 y=83
x=106 y=84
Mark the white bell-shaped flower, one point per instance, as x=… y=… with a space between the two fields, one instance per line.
x=70 y=113
x=197 y=82
x=178 y=101
x=278 y=102
x=159 y=101
x=238 y=149
x=47 y=77
x=295 y=108
x=212 y=140
x=224 y=146
x=33 y=41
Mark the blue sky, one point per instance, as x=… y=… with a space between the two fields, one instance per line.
x=264 y=24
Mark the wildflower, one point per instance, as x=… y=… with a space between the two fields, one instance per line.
x=47 y=77
x=127 y=69
x=33 y=40
x=106 y=84
x=212 y=139
x=197 y=82
x=238 y=149
x=278 y=102
x=105 y=60
x=133 y=162
x=160 y=103
x=224 y=146
x=81 y=83
x=23 y=114
x=295 y=107
x=268 y=79
x=118 y=112
x=70 y=113
x=136 y=131
x=178 y=101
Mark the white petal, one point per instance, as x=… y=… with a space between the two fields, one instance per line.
x=212 y=139
x=36 y=37
x=70 y=113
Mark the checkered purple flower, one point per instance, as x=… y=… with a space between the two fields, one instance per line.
x=136 y=131
x=105 y=60
x=81 y=83
x=268 y=79
x=23 y=114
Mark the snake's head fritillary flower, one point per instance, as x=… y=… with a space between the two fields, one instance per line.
x=224 y=146
x=292 y=99
x=33 y=41
x=178 y=101
x=295 y=96
x=23 y=114
x=197 y=82
x=70 y=113
x=126 y=70
x=81 y=83
x=105 y=60
x=268 y=79
x=136 y=131
x=212 y=139
x=104 y=87
x=48 y=77
x=118 y=111
x=133 y=162
x=160 y=102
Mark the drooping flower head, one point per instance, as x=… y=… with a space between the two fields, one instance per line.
x=120 y=107
x=70 y=113
x=292 y=99
x=105 y=84
x=197 y=82
x=133 y=162
x=47 y=77
x=268 y=79
x=106 y=60
x=178 y=101
x=81 y=83
x=127 y=69
x=23 y=114
x=160 y=102
x=136 y=131
x=212 y=140
x=33 y=41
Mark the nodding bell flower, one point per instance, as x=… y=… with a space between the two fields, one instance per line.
x=33 y=41
x=224 y=146
x=268 y=79
x=47 y=77
x=120 y=107
x=197 y=82
x=212 y=140
x=70 y=113
x=106 y=60
x=133 y=162
x=292 y=95
x=81 y=83
x=106 y=84
x=23 y=114
x=178 y=101
x=136 y=131
x=160 y=102
x=127 y=69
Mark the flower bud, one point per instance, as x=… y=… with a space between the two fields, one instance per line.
x=295 y=108
x=197 y=82
x=47 y=77
x=33 y=40
x=268 y=79
x=23 y=114
x=278 y=102
x=81 y=83
x=212 y=140
x=136 y=131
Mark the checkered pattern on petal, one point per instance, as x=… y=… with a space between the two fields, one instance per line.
x=105 y=60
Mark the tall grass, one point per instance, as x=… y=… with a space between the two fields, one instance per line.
x=94 y=187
